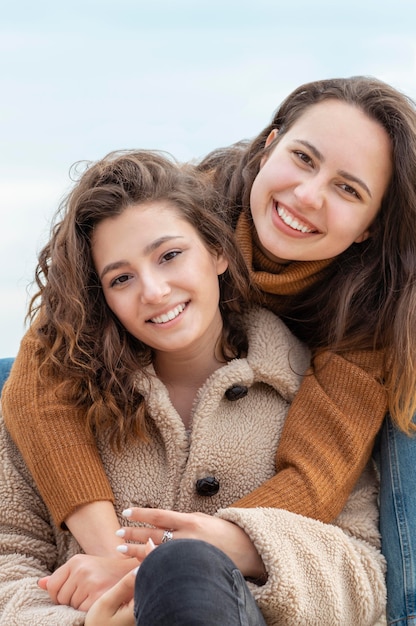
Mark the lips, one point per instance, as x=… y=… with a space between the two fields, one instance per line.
x=169 y=316
x=292 y=221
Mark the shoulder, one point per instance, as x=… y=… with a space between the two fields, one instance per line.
x=275 y=356
x=272 y=346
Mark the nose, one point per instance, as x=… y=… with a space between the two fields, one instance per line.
x=310 y=193
x=153 y=289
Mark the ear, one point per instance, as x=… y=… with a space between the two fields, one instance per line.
x=363 y=237
x=222 y=264
x=270 y=137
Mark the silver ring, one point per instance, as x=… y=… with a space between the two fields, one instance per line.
x=167 y=536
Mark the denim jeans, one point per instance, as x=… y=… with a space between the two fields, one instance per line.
x=187 y=582
x=398 y=522
x=5 y=365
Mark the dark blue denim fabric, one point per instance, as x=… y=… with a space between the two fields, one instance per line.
x=5 y=366
x=186 y=582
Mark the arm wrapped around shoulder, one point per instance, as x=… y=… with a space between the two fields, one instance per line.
x=62 y=457
x=319 y=573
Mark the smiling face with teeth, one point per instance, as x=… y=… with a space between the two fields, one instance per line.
x=159 y=278
x=319 y=190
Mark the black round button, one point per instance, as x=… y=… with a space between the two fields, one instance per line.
x=207 y=486
x=236 y=392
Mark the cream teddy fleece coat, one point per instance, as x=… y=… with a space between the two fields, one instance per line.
x=318 y=574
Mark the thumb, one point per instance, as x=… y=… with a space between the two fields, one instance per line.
x=43 y=582
x=122 y=592
x=149 y=547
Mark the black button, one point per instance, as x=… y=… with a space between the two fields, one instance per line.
x=207 y=486
x=236 y=392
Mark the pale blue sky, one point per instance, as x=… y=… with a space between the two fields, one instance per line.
x=81 y=78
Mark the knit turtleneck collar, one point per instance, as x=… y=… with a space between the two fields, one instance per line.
x=269 y=276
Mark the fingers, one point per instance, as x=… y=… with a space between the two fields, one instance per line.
x=62 y=590
x=43 y=583
x=142 y=535
x=133 y=550
x=120 y=594
x=160 y=525
x=159 y=518
x=55 y=585
x=149 y=546
x=84 y=578
x=72 y=594
x=158 y=522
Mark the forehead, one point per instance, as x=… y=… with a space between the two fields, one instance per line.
x=139 y=224
x=333 y=116
x=343 y=129
x=155 y=212
x=155 y=207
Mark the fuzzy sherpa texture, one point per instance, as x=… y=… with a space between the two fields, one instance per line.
x=318 y=574
x=327 y=440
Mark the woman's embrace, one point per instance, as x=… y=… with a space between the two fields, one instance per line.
x=201 y=384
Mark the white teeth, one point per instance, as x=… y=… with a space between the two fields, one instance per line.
x=170 y=315
x=292 y=221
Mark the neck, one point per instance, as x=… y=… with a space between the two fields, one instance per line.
x=183 y=373
x=190 y=369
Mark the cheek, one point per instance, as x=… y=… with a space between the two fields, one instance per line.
x=363 y=229
x=344 y=234
x=253 y=191
x=211 y=285
x=107 y=298
x=113 y=304
x=273 y=177
x=255 y=195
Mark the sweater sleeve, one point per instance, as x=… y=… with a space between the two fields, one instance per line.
x=327 y=438
x=51 y=436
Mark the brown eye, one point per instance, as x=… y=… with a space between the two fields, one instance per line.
x=303 y=157
x=119 y=280
x=172 y=254
x=350 y=190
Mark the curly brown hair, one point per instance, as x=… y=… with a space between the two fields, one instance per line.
x=81 y=340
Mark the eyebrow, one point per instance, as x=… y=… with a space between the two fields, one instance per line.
x=318 y=155
x=354 y=179
x=151 y=247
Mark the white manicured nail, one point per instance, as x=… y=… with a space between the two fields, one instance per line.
x=122 y=549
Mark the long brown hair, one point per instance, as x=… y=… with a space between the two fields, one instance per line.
x=82 y=342
x=367 y=298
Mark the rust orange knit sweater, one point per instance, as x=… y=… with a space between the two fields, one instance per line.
x=331 y=425
x=327 y=438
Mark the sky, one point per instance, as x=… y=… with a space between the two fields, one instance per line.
x=81 y=78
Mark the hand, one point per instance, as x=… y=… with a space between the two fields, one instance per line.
x=84 y=578
x=115 y=607
x=225 y=535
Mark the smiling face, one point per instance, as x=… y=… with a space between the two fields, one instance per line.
x=159 y=279
x=321 y=187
